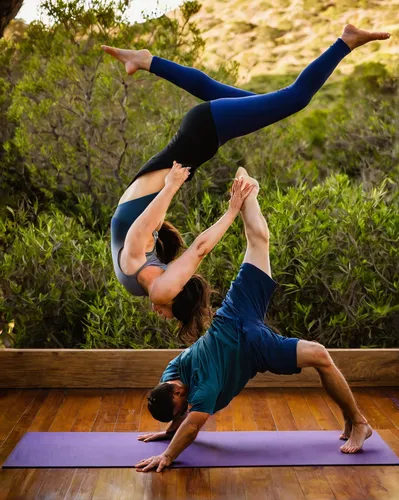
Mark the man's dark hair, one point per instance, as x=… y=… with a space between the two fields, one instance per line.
x=160 y=402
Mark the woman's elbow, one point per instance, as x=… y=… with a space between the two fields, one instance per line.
x=156 y=295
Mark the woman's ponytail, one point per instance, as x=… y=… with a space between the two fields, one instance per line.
x=169 y=243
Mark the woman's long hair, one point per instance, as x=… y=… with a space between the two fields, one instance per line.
x=192 y=306
x=169 y=243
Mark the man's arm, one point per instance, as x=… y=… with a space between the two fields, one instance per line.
x=186 y=433
x=175 y=424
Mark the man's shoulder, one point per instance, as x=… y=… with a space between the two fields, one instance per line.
x=223 y=320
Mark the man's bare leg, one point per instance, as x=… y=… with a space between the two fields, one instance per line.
x=309 y=354
x=256 y=229
x=312 y=354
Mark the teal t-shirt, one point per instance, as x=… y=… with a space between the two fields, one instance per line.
x=215 y=368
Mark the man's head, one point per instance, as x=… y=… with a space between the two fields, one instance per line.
x=167 y=400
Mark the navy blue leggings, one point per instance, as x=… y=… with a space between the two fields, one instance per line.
x=238 y=112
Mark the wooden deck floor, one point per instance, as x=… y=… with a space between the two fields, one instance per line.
x=254 y=409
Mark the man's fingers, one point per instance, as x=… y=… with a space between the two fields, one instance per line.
x=162 y=465
x=143 y=462
x=149 y=466
x=145 y=436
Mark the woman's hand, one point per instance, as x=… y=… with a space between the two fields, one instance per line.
x=240 y=190
x=177 y=176
x=154 y=436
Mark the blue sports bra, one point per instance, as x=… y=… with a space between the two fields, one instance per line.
x=125 y=215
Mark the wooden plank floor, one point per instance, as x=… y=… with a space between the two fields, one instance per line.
x=254 y=409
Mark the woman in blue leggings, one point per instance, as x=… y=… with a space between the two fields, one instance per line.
x=144 y=246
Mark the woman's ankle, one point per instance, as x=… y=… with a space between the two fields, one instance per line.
x=146 y=60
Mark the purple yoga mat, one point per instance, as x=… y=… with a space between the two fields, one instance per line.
x=210 y=449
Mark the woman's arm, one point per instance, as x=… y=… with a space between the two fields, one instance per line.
x=172 y=281
x=140 y=232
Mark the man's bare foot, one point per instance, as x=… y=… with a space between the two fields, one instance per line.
x=360 y=432
x=252 y=181
x=347 y=430
x=241 y=171
x=354 y=37
x=132 y=59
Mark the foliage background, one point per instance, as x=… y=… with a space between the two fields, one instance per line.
x=74 y=128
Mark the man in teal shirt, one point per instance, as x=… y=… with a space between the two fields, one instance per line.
x=205 y=377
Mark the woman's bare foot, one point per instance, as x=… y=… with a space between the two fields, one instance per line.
x=132 y=59
x=347 y=430
x=354 y=37
x=360 y=432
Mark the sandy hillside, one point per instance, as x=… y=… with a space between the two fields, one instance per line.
x=281 y=36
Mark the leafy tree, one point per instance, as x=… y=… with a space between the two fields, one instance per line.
x=8 y=10
x=94 y=124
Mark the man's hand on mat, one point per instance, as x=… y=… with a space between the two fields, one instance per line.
x=240 y=190
x=160 y=462
x=177 y=176
x=154 y=436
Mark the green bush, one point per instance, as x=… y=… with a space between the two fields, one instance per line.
x=74 y=128
x=334 y=254
x=59 y=288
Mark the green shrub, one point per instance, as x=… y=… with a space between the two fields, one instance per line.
x=73 y=131
x=334 y=253
x=59 y=288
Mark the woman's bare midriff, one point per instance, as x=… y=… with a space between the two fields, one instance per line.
x=146 y=184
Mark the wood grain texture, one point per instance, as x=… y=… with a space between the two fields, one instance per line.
x=21 y=426
x=285 y=484
x=375 y=416
x=378 y=482
x=257 y=409
x=320 y=410
x=385 y=403
x=15 y=412
x=142 y=368
x=340 y=480
x=300 y=410
x=314 y=483
x=280 y=410
x=129 y=413
x=193 y=483
x=27 y=483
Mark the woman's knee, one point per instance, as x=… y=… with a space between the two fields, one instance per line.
x=301 y=96
x=312 y=354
